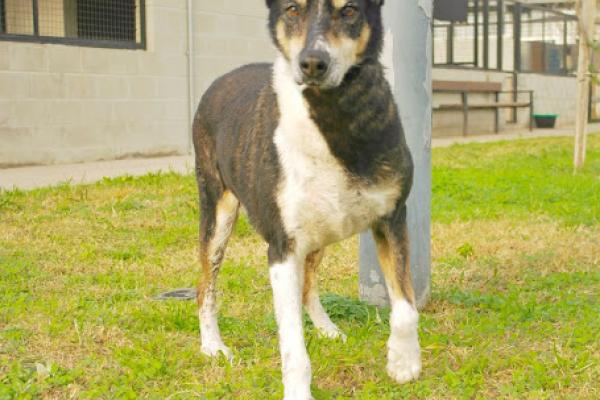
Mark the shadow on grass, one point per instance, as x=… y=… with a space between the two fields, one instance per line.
x=347 y=309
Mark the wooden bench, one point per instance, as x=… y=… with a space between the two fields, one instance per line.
x=466 y=87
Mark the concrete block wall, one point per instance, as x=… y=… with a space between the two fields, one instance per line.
x=61 y=104
x=553 y=95
x=228 y=34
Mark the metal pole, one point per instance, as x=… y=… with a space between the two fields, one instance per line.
x=517 y=25
x=544 y=61
x=565 y=39
x=36 y=18
x=2 y=17
x=191 y=74
x=143 y=41
x=450 y=44
x=517 y=36
x=500 y=34
x=476 y=34
x=409 y=23
x=434 y=61
x=486 y=34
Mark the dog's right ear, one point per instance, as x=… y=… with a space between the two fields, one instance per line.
x=270 y=3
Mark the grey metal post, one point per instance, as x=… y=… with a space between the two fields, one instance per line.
x=410 y=25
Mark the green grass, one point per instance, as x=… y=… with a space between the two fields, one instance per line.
x=514 y=309
x=516 y=179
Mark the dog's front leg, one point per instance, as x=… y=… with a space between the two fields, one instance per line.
x=286 y=274
x=404 y=354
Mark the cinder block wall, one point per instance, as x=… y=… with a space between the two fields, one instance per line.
x=229 y=33
x=553 y=95
x=61 y=104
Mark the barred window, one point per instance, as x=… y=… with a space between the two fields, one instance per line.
x=102 y=23
x=2 y=17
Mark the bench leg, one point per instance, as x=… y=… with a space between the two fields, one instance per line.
x=465 y=104
x=530 y=119
x=530 y=111
x=497 y=115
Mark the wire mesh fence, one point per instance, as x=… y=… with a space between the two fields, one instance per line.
x=508 y=36
x=106 y=23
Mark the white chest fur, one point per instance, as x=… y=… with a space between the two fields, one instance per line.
x=318 y=201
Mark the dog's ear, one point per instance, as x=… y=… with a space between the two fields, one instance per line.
x=377 y=2
x=270 y=3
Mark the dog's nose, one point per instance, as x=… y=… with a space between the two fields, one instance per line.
x=314 y=64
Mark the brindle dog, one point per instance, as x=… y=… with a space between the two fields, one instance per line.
x=313 y=147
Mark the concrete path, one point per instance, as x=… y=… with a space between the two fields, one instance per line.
x=41 y=176
x=512 y=135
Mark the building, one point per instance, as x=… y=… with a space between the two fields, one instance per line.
x=84 y=80
x=524 y=46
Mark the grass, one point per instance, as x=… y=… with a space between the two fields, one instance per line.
x=514 y=308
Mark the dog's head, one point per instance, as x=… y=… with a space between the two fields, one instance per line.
x=324 y=39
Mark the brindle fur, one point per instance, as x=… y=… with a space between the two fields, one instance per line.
x=310 y=272
x=360 y=122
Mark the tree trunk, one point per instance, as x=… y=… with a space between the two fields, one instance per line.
x=586 y=13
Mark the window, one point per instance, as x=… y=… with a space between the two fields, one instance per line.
x=2 y=17
x=100 y=23
x=102 y=20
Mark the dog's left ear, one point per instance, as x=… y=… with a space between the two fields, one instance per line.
x=270 y=3
x=377 y=2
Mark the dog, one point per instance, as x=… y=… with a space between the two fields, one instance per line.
x=313 y=148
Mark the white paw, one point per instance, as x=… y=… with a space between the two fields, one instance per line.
x=404 y=359
x=212 y=349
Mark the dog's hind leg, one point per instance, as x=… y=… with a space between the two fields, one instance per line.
x=404 y=355
x=310 y=298
x=219 y=209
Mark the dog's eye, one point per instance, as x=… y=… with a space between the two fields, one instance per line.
x=293 y=11
x=349 y=11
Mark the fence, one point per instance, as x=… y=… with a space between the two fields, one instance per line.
x=508 y=36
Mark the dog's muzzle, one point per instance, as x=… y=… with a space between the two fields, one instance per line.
x=314 y=65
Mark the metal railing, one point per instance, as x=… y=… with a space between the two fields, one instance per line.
x=508 y=36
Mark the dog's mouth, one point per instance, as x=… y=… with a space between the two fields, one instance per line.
x=315 y=84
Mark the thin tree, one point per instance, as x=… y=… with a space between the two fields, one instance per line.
x=586 y=15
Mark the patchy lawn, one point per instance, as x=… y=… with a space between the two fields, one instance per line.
x=514 y=310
